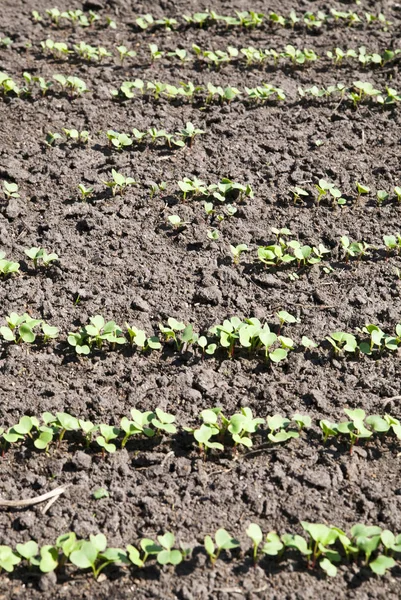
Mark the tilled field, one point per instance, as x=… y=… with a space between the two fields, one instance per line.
x=119 y=256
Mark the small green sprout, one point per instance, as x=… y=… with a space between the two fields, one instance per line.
x=6 y=266
x=155 y=53
x=111 y=23
x=94 y=554
x=342 y=341
x=381 y=196
x=189 y=133
x=20 y=328
x=272 y=546
x=125 y=53
x=176 y=221
x=100 y=493
x=167 y=554
x=85 y=192
x=8 y=559
x=298 y=193
x=10 y=190
x=119 y=183
x=397 y=192
x=278 y=429
x=361 y=190
x=40 y=254
x=51 y=138
x=322 y=537
x=138 y=338
x=78 y=136
x=108 y=433
x=213 y=234
x=236 y=251
x=353 y=249
x=223 y=541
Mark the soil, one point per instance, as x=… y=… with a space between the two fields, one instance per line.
x=118 y=259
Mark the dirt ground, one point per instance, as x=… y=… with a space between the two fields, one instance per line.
x=119 y=259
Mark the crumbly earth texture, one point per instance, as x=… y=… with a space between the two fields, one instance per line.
x=118 y=258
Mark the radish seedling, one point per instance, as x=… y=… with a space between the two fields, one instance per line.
x=137 y=337
x=172 y=332
x=40 y=254
x=10 y=190
x=223 y=541
x=353 y=249
x=278 y=429
x=119 y=183
x=342 y=341
x=8 y=559
x=272 y=546
x=108 y=433
x=78 y=136
x=19 y=328
x=189 y=133
x=381 y=196
x=125 y=53
x=168 y=555
x=236 y=251
x=51 y=138
x=7 y=266
x=297 y=193
x=241 y=424
x=95 y=555
x=85 y=192
x=321 y=537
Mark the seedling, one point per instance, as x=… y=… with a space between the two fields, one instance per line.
x=51 y=138
x=236 y=251
x=125 y=53
x=241 y=425
x=342 y=341
x=272 y=546
x=10 y=190
x=397 y=192
x=7 y=266
x=381 y=196
x=298 y=193
x=355 y=428
x=325 y=188
x=223 y=541
x=40 y=254
x=353 y=249
x=78 y=136
x=321 y=537
x=138 y=338
x=178 y=332
x=85 y=192
x=155 y=53
x=108 y=433
x=100 y=493
x=95 y=555
x=167 y=554
x=189 y=133
x=392 y=243
x=278 y=429
x=20 y=328
x=119 y=183
x=157 y=188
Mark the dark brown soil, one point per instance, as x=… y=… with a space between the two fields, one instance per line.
x=117 y=255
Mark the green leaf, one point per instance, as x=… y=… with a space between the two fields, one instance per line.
x=49 y=559
x=328 y=567
x=224 y=540
x=28 y=550
x=255 y=533
x=381 y=564
x=100 y=493
x=85 y=557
